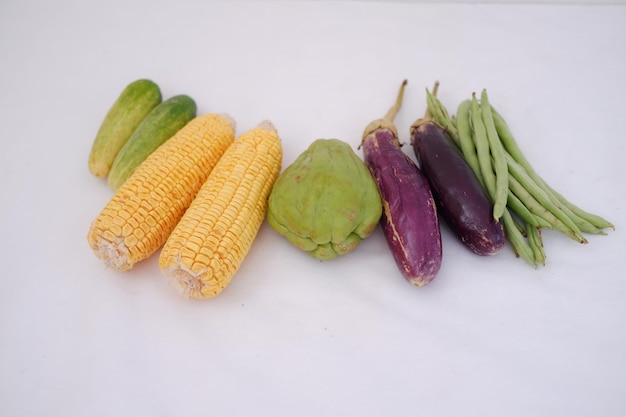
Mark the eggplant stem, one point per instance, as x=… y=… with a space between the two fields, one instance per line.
x=387 y=121
x=393 y=111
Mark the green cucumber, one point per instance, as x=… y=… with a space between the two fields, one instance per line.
x=134 y=103
x=161 y=124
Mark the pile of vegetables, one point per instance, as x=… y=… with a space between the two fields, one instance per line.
x=521 y=199
x=137 y=123
x=185 y=186
x=458 y=193
x=194 y=192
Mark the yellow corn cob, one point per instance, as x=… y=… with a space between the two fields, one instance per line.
x=143 y=212
x=210 y=242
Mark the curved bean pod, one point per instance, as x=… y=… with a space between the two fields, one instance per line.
x=482 y=149
x=498 y=161
x=511 y=146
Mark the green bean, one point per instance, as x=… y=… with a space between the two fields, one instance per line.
x=536 y=244
x=519 y=225
x=526 y=206
x=482 y=149
x=444 y=111
x=508 y=141
x=450 y=123
x=465 y=137
x=440 y=114
x=584 y=225
x=544 y=216
x=516 y=205
x=532 y=213
x=510 y=144
x=594 y=219
x=541 y=212
x=432 y=106
x=544 y=200
x=497 y=152
x=518 y=241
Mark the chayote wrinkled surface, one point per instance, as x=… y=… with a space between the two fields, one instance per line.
x=326 y=202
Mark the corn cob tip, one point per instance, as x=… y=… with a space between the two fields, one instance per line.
x=114 y=254
x=189 y=284
x=230 y=119
x=267 y=125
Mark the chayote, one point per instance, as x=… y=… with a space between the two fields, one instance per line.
x=326 y=202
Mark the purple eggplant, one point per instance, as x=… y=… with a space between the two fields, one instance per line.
x=461 y=200
x=410 y=222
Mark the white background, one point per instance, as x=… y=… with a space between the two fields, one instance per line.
x=292 y=336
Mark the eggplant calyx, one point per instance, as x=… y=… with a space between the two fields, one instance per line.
x=380 y=124
x=422 y=121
